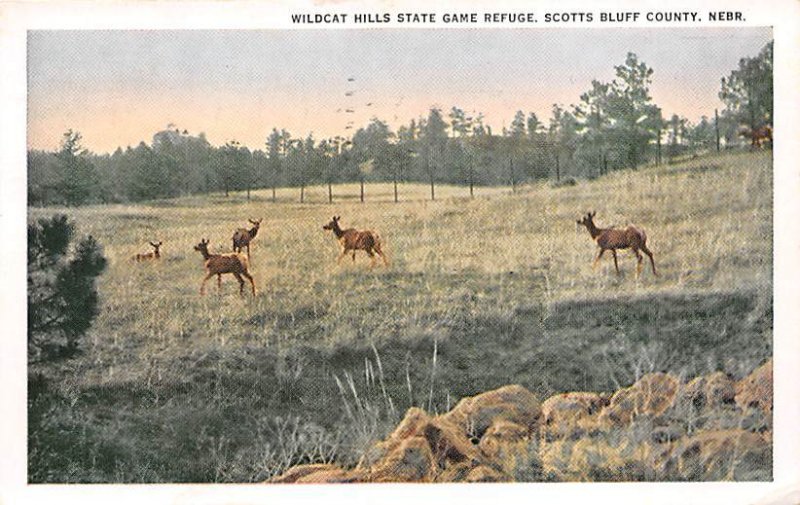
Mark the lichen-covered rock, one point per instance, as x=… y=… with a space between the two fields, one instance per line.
x=651 y=395
x=755 y=390
x=298 y=472
x=571 y=414
x=555 y=456
x=508 y=446
x=474 y=415
x=648 y=431
x=723 y=455
x=333 y=476
x=447 y=444
x=600 y=459
x=411 y=461
x=709 y=391
x=454 y=473
x=484 y=473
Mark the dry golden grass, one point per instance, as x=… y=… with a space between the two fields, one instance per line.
x=459 y=267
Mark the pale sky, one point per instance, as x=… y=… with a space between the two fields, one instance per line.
x=120 y=87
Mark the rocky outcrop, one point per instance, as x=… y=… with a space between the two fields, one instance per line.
x=711 y=428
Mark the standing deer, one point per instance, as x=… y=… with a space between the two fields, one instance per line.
x=353 y=240
x=218 y=264
x=153 y=255
x=243 y=236
x=613 y=239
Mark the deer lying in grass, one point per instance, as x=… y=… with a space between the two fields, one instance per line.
x=613 y=239
x=153 y=255
x=242 y=237
x=218 y=264
x=353 y=240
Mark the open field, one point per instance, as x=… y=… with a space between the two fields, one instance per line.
x=480 y=293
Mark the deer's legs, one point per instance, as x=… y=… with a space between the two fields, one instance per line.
x=383 y=256
x=219 y=282
x=241 y=283
x=597 y=259
x=639 y=260
x=354 y=256
x=203 y=284
x=372 y=258
x=252 y=282
x=616 y=266
x=650 y=255
x=342 y=255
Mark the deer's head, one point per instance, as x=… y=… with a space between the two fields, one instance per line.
x=333 y=224
x=156 y=246
x=202 y=246
x=256 y=222
x=587 y=220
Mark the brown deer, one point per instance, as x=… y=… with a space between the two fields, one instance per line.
x=613 y=239
x=153 y=255
x=759 y=137
x=218 y=264
x=353 y=240
x=242 y=237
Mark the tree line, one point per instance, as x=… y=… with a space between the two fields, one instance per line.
x=614 y=125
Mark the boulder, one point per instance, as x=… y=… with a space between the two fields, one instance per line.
x=709 y=391
x=651 y=395
x=508 y=446
x=755 y=390
x=570 y=414
x=411 y=461
x=485 y=473
x=723 y=455
x=332 y=476
x=601 y=459
x=298 y=472
x=474 y=415
x=454 y=473
x=447 y=444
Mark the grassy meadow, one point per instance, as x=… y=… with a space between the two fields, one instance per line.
x=499 y=289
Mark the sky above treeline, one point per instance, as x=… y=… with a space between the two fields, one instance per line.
x=120 y=87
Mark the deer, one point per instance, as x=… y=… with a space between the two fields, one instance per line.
x=242 y=237
x=612 y=239
x=352 y=240
x=218 y=264
x=758 y=137
x=155 y=254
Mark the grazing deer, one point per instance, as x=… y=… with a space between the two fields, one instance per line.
x=613 y=239
x=154 y=255
x=218 y=264
x=353 y=240
x=243 y=236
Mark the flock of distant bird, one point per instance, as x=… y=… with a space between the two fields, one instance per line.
x=352 y=240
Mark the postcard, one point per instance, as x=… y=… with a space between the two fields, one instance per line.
x=387 y=252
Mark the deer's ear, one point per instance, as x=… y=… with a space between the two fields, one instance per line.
x=578 y=221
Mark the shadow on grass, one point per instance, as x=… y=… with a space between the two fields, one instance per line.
x=207 y=419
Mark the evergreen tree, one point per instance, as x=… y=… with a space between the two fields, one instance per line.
x=62 y=298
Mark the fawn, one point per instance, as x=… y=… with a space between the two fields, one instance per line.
x=153 y=255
